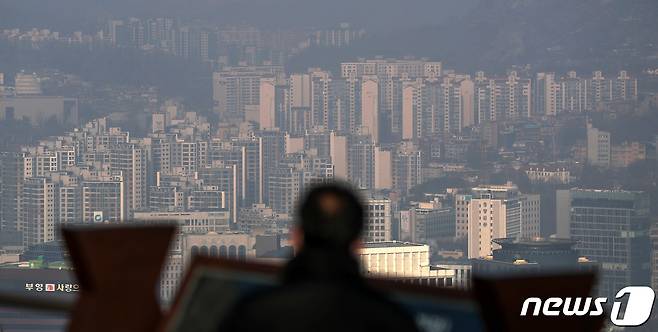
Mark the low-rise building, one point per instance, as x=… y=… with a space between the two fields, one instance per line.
x=194 y=222
x=548 y=175
x=405 y=262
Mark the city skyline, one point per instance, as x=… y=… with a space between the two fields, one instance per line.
x=492 y=139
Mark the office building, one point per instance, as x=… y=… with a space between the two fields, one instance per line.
x=598 y=147
x=426 y=222
x=378 y=226
x=610 y=227
x=654 y=255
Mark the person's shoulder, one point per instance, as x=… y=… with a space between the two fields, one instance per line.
x=305 y=303
x=386 y=308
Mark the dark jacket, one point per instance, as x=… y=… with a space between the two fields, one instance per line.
x=321 y=291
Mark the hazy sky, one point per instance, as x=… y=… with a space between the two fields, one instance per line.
x=372 y=14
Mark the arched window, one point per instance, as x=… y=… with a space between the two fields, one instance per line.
x=242 y=253
x=231 y=252
x=204 y=251
x=195 y=251
x=213 y=251
x=223 y=252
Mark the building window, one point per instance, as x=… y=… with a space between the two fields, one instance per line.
x=232 y=252
x=242 y=253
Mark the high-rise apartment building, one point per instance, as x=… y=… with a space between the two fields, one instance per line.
x=573 y=93
x=166 y=198
x=300 y=90
x=38 y=210
x=547 y=91
x=370 y=119
x=361 y=161
x=272 y=103
x=11 y=188
x=412 y=109
x=383 y=169
x=284 y=186
x=340 y=36
x=237 y=89
x=252 y=164
x=434 y=107
x=274 y=150
x=103 y=199
x=131 y=161
x=390 y=109
x=407 y=167
x=225 y=178
x=570 y=93
x=387 y=68
x=497 y=212
x=246 y=153
x=389 y=76
x=502 y=98
x=624 y=87
x=68 y=210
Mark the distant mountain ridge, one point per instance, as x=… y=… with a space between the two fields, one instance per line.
x=559 y=34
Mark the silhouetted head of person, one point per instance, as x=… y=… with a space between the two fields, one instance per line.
x=330 y=216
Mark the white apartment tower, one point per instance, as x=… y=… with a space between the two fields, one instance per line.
x=496 y=211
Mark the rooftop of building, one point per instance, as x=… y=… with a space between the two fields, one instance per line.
x=391 y=244
x=534 y=242
x=608 y=191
